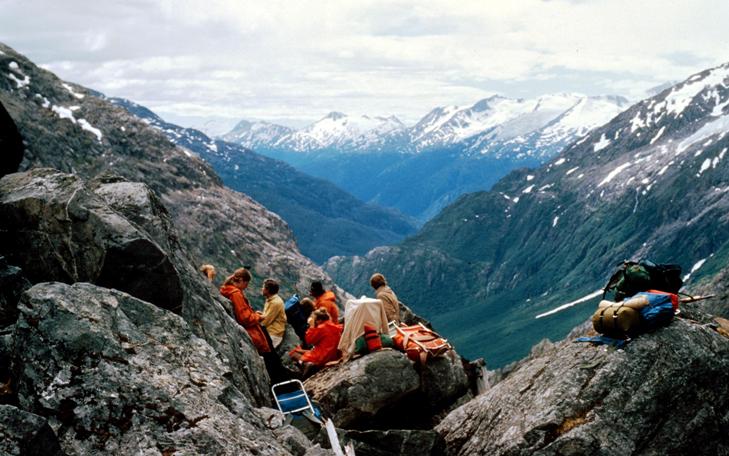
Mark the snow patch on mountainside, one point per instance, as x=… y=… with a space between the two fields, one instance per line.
x=614 y=173
x=718 y=126
x=681 y=96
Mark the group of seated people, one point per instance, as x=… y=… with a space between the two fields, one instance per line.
x=321 y=341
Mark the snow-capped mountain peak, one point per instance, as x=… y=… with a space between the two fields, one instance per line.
x=682 y=128
x=486 y=103
x=483 y=128
x=338 y=130
x=496 y=120
x=255 y=134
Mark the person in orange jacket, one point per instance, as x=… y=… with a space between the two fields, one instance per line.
x=234 y=289
x=324 y=299
x=324 y=335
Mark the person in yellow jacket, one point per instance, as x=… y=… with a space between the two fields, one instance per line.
x=273 y=316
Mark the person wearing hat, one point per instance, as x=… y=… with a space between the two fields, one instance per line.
x=324 y=299
x=386 y=296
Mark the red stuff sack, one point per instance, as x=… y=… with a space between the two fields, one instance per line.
x=372 y=338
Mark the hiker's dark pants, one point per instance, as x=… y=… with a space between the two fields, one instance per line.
x=276 y=371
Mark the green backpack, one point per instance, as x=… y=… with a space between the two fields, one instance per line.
x=633 y=277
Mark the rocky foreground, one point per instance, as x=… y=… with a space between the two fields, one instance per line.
x=665 y=393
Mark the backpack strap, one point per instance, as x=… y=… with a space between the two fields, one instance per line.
x=615 y=278
x=602 y=317
x=615 y=315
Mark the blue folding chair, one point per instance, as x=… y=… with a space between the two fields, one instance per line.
x=291 y=397
x=294 y=403
x=299 y=411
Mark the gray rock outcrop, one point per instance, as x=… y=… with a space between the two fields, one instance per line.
x=117 y=375
x=385 y=390
x=23 y=433
x=355 y=391
x=55 y=228
x=665 y=393
x=443 y=380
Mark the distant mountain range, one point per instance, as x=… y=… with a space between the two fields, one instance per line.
x=326 y=220
x=653 y=182
x=450 y=151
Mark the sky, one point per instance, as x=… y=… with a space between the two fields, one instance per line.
x=209 y=63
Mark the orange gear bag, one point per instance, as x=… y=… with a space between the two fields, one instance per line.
x=419 y=342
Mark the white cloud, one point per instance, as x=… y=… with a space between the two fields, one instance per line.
x=283 y=59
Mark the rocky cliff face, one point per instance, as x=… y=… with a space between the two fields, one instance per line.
x=104 y=370
x=665 y=393
x=113 y=373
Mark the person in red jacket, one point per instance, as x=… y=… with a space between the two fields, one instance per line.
x=324 y=299
x=234 y=289
x=324 y=335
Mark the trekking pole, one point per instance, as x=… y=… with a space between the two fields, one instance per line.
x=696 y=298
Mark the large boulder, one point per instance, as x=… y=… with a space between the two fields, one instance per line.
x=115 y=374
x=664 y=393
x=443 y=380
x=140 y=205
x=202 y=305
x=354 y=392
x=24 y=433
x=55 y=228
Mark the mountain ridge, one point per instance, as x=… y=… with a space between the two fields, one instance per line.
x=442 y=126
